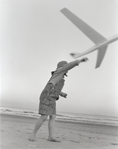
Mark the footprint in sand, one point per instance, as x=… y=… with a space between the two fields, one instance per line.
x=114 y=143
x=74 y=141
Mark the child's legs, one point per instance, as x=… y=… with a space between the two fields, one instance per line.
x=37 y=126
x=39 y=123
x=51 y=124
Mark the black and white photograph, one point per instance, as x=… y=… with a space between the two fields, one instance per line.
x=58 y=74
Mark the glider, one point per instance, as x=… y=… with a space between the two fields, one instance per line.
x=101 y=43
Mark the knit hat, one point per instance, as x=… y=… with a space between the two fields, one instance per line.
x=61 y=64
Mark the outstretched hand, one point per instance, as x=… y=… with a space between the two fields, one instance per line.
x=84 y=59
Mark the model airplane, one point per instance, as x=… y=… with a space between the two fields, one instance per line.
x=100 y=41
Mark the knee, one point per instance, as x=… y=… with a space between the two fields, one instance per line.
x=44 y=117
x=52 y=117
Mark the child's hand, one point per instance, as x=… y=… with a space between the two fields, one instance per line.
x=84 y=59
x=64 y=95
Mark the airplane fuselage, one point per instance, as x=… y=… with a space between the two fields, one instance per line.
x=101 y=44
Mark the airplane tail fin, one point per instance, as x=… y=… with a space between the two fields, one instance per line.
x=100 y=56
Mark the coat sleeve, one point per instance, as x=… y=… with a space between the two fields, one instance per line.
x=69 y=66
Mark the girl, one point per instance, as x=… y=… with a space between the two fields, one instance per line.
x=50 y=95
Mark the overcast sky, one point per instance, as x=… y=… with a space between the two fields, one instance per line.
x=35 y=36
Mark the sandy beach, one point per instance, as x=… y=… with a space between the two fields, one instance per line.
x=15 y=131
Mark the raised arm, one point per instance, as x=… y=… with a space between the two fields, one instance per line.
x=72 y=64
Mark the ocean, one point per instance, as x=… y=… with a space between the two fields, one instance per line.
x=65 y=116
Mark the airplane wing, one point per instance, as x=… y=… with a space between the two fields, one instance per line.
x=84 y=27
x=89 y=32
